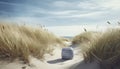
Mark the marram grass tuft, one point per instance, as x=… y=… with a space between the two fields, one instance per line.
x=106 y=50
x=20 y=41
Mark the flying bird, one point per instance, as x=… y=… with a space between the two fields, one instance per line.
x=108 y=22
x=85 y=29
x=118 y=23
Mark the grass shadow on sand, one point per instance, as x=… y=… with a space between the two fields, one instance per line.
x=56 y=61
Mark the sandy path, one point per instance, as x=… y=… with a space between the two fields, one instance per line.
x=75 y=63
x=52 y=62
x=63 y=64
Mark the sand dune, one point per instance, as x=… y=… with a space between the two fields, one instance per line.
x=51 y=62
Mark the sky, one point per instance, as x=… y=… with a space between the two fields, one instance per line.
x=62 y=17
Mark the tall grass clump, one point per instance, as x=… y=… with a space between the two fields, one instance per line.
x=20 y=41
x=86 y=37
x=106 y=50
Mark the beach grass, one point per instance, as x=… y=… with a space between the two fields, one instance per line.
x=22 y=41
x=86 y=37
x=106 y=50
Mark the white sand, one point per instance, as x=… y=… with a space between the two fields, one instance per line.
x=51 y=62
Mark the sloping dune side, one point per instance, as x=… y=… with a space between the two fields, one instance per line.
x=106 y=50
x=86 y=37
x=21 y=41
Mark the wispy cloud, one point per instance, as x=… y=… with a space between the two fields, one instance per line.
x=88 y=4
x=111 y=4
x=65 y=11
x=8 y=3
x=79 y=15
x=63 y=4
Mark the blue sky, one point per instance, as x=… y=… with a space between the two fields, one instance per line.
x=54 y=13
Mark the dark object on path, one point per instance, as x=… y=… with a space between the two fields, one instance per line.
x=24 y=67
x=67 y=53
